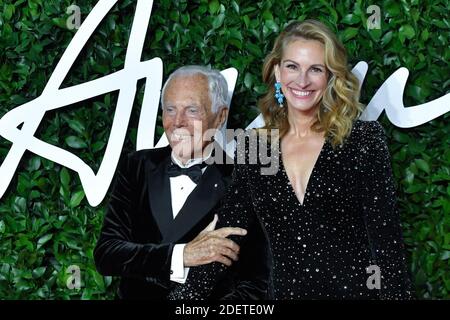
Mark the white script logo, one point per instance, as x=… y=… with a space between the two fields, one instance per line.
x=30 y=114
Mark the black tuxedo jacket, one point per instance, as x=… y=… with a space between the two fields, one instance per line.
x=139 y=232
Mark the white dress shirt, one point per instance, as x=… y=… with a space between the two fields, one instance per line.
x=180 y=189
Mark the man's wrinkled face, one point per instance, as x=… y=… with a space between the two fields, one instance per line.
x=187 y=115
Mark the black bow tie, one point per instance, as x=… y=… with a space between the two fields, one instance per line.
x=194 y=172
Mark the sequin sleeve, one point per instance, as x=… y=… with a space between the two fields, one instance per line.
x=380 y=214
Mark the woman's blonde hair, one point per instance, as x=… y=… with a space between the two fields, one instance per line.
x=339 y=105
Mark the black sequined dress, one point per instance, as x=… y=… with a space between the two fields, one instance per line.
x=322 y=248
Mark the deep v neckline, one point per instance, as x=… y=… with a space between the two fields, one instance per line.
x=310 y=178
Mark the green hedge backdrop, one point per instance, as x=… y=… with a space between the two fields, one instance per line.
x=46 y=223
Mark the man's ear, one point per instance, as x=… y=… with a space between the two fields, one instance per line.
x=221 y=116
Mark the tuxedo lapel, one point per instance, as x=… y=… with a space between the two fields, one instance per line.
x=203 y=198
x=159 y=195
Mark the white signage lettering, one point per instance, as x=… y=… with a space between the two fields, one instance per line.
x=388 y=97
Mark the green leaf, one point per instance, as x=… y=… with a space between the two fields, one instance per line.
x=349 y=33
x=415 y=188
x=267 y=15
x=43 y=240
x=34 y=163
x=76 y=199
x=60 y=22
x=425 y=35
x=218 y=21
x=235 y=6
x=254 y=49
x=20 y=205
x=387 y=38
x=77 y=126
x=98 y=146
x=409 y=177
x=98 y=279
x=236 y=43
x=401 y=137
x=108 y=281
x=214 y=6
x=375 y=34
x=271 y=25
x=259 y=89
x=407 y=32
x=75 y=142
x=87 y=294
x=415 y=147
x=39 y=272
x=23 y=241
x=24 y=184
x=185 y=19
x=423 y=165
x=64 y=177
x=246 y=20
x=248 y=80
x=445 y=255
x=351 y=19
x=418 y=93
x=111 y=23
x=8 y=12
x=393 y=9
x=34 y=194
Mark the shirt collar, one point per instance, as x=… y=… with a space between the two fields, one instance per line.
x=194 y=161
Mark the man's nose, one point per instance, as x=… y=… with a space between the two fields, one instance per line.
x=180 y=119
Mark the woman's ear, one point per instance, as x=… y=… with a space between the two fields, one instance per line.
x=276 y=69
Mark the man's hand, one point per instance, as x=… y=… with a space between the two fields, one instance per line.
x=212 y=245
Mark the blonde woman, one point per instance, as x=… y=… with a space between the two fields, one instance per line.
x=330 y=211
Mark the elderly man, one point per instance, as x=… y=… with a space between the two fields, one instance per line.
x=159 y=221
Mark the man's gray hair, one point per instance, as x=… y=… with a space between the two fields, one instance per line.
x=218 y=87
